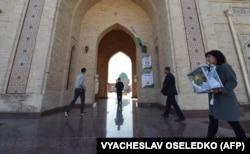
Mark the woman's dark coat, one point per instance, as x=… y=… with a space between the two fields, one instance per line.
x=225 y=106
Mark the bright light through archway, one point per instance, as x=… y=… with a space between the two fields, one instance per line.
x=118 y=64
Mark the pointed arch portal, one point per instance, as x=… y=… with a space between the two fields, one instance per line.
x=119 y=64
x=114 y=41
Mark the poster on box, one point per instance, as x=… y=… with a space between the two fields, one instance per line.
x=204 y=78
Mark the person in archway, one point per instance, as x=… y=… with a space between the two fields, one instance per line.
x=169 y=90
x=119 y=88
x=80 y=90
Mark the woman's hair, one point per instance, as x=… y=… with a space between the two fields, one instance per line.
x=220 y=58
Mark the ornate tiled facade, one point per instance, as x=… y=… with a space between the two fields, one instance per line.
x=25 y=48
x=241 y=11
x=193 y=33
x=38 y=35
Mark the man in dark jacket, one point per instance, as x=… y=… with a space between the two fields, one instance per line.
x=119 y=88
x=169 y=90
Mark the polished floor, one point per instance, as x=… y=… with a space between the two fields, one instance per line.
x=75 y=134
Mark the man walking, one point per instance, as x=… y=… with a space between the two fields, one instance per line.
x=169 y=90
x=80 y=90
x=119 y=88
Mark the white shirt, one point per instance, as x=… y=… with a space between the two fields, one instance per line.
x=80 y=81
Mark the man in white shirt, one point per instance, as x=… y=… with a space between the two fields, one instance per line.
x=80 y=90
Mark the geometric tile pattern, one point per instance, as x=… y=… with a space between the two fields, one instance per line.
x=25 y=48
x=245 y=42
x=195 y=42
x=241 y=11
x=245 y=39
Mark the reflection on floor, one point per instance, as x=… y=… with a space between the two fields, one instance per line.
x=56 y=134
x=116 y=126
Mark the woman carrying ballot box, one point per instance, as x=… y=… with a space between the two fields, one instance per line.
x=223 y=103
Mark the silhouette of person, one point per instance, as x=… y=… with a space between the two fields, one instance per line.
x=175 y=132
x=71 y=130
x=119 y=117
x=80 y=127
x=74 y=148
x=119 y=88
x=169 y=90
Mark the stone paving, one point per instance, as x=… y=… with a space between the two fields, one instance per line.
x=57 y=134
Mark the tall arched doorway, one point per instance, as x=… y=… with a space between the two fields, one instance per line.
x=120 y=66
x=114 y=41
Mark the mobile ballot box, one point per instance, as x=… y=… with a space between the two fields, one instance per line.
x=204 y=78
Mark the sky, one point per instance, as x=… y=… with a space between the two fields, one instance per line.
x=119 y=63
